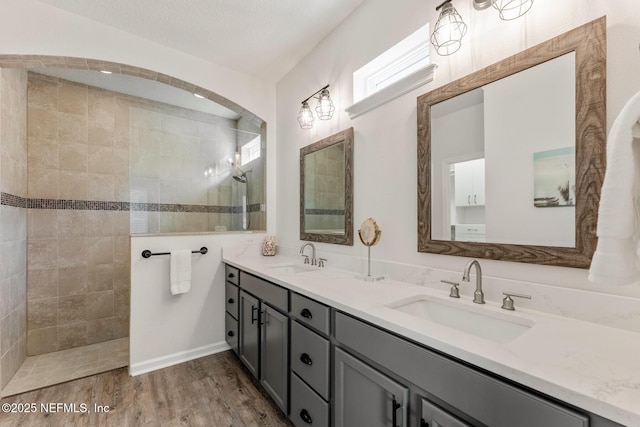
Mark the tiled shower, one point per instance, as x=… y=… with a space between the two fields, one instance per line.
x=87 y=167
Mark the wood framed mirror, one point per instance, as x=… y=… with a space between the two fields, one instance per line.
x=326 y=190
x=497 y=181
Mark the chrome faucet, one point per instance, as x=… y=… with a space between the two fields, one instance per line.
x=478 y=295
x=313 y=252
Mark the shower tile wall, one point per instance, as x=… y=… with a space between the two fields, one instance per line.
x=78 y=249
x=13 y=219
x=171 y=148
x=170 y=151
x=102 y=165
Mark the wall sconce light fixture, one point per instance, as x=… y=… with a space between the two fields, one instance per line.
x=511 y=9
x=450 y=28
x=324 y=108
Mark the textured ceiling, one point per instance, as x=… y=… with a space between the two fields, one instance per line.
x=265 y=38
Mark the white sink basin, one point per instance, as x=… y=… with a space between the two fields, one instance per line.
x=293 y=269
x=478 y=321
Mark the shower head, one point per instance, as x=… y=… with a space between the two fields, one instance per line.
x=241 y=178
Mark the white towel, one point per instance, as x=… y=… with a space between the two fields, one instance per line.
x=615 y=261
x=180 y=271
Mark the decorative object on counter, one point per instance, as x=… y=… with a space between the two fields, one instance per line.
x=369 y=234
x=269 y=246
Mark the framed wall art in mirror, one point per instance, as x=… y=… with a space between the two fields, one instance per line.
x=511 y=158
x=326 y=190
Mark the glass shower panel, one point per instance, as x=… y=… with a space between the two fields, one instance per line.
x=186 y=172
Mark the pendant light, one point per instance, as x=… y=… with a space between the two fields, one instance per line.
x=325 y=107
x=305 y=117
x=511 y=9
x=449 y=30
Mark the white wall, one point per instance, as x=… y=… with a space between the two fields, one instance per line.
x=385 y=138
x=167 y=329
x=462 y=143
x=529 y=112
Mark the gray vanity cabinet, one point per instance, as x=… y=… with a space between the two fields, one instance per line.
x=274 y=352
x=310 y=362
x=469 y=393
x=365 y=396
x=231 y=306
x=249 y=340
x=263 y=344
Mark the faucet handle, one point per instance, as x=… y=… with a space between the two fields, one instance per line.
x=321 y=262
x=455 y=293
x=507 y=302
x=306 y=259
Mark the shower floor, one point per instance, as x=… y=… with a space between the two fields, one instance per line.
x=61 y=366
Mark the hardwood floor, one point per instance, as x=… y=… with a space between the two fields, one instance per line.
x=212 y=391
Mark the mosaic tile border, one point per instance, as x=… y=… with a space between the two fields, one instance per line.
x=324 y=211
x=8 y=199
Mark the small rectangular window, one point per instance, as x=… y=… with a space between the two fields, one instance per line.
x=399 y=61
x=250 y=151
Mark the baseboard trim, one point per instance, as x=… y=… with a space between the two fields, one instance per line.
x=176 y=358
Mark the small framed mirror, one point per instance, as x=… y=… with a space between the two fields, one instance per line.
x=326 y=190
x=511 y=158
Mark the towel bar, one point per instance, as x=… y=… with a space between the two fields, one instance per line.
x=147 y=253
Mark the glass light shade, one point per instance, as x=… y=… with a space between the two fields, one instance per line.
x=325 y=106
x=511 y=9
x=305 y=117
x=448 y=31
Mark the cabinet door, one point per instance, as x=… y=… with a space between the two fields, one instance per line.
x=366 y=397
x=469 y=183
x=464 y=183
x=477 y=175
x=274 y=364
x=249 y=344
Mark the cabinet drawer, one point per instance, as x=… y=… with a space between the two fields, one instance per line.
x=307 y=408
x=231 y=303
x=273 y=294
x=433 y=415
x=490 y=400
x=310 y=312
x=231 y=332
x=310 y=358
x=231 y=274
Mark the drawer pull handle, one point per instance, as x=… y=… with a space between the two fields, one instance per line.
x=306 y=417
x=230 y=333
x=304 y=358
x=231 y=275
x=306 y=313
x=231 y=301
x=254 y=309
x=394 y=414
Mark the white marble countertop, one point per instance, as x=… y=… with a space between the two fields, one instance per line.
x=587 y=365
